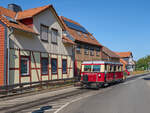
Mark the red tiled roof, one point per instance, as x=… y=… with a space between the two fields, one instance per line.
x=76 y=35
x=110 y=53
x=6 y=12
x=31 y=12
x=25 y=14
x=67 y=40
x=123 y=61
x=124 y=54
x=34 y=11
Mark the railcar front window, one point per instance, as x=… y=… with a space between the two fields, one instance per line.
x=87 y=68
x=96 y=68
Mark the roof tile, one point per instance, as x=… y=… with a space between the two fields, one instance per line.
x=65 y=39
x=124 y=54
x=110 y=53
x=81 y=37
x=31 y=12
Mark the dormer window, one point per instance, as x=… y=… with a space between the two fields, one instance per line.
x=54 y=36
x=91 y=37
x=85 y=35
x=79 y=33
x=44 y=33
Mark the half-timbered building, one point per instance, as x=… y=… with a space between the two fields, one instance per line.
x=33 y=47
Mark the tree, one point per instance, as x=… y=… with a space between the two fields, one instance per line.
x=143 y=63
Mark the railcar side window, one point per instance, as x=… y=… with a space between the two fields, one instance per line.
x=106 y=67
x=110 y=68
x=96 y=68
x=115 y=68
x=118 y=68
x=87 y=68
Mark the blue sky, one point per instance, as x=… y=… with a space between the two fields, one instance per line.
x=121 y=25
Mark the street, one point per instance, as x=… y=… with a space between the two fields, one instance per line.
x=132 y=96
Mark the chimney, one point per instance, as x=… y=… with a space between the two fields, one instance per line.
x=14 y=7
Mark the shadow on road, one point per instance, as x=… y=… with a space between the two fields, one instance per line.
x=147 y=78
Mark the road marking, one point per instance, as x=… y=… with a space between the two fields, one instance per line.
x=71 y=103
x=62 y=107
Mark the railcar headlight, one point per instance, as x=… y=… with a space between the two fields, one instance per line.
x=99 y=75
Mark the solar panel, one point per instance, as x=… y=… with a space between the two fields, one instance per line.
x=91 y=37
x=10 y=19
x=76 y=27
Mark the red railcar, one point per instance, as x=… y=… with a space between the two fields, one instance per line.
x=98 y=73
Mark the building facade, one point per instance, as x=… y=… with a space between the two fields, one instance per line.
x=33 y=47
x=110 y=56
x=87 y=47
x=128 y=58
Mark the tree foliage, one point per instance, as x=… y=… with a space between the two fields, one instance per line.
x=143 y=63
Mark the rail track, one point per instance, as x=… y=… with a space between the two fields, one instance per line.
x=19 y=107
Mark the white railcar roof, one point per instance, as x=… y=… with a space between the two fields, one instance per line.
x=100 y=62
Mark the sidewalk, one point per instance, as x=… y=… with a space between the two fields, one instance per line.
x=27 y=99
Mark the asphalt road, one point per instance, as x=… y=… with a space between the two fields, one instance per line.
x=129 y=97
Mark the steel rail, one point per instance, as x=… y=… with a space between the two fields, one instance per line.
x=19 y=107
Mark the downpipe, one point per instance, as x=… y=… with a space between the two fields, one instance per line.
x=8 y=55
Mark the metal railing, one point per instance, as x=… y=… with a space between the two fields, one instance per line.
x=21 y=88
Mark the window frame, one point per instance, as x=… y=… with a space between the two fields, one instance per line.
x=91 y=68
x=97 y=51
x=63 y=66
x=78 y=47
x=52 y=40
x=47 y=65
x=42 y=25
x=91 y=51
x=86 y=50
x=28 y=66
x=96 y=71
x=85 y=35
x=52 y=73
x=79 y=33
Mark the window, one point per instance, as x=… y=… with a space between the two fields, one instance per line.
x=91 y=37
x=92 y=51
x=86 y=50
x=54 y=65
x=111 y=67
x=44 y=66
x=24 y=65
x=85 y=35
x=115 y=68
x=44 y=33
x=54 y=35
x=97 y=51
x=106 y=67
x=64 y=66
x=87 y=68
x=119 y=68
x=96 y=68
x=78 y=49
x=79 y=33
